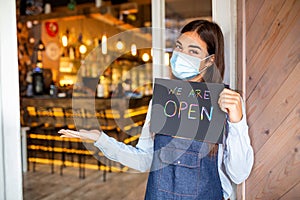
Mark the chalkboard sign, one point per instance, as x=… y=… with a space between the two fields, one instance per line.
x=187 y=109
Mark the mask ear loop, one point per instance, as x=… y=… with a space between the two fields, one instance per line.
x=205 y=68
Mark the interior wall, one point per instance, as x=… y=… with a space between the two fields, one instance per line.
x=273 y=97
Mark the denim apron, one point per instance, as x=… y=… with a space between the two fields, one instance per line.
x=182 y=169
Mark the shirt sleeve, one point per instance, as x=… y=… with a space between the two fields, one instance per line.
x=139 y=157
x=238 y=153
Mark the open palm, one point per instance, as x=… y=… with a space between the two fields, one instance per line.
x=81 y=134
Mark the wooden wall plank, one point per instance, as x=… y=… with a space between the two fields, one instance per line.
x=261 y=25
x=270 y=116
x=273 y=97
x=261 y=51
x=283 y=141
x=285 y=58
x=294 y=193
x=277 y=72
x=281 y=178
x=252 y=9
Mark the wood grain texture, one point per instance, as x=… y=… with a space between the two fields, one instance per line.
x=280 y=178
x=252 y=8
x=272 y=97
x=270 y=117
x=273 y=51
x=261 y=26
x=279 y=68
x=41 y=185
x=294 y=193
x=278 y=156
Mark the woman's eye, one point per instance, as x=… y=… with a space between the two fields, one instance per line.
x=178 y=47
x=194 y=52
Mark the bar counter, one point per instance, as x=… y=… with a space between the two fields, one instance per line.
x=84 y=110
x=43 y=116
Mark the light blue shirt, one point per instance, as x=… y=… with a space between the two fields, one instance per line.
x=235 y=155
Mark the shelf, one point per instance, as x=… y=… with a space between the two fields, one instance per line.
x=65 y=13
x=104 y=14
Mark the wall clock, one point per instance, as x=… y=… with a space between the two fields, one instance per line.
x=52 y=51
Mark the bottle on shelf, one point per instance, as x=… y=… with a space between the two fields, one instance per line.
x=100 y=90
x=53 y=90
x=38 y=81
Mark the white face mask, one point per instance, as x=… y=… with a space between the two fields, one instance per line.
x=185 y=66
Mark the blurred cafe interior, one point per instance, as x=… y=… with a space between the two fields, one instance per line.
x=88 y=64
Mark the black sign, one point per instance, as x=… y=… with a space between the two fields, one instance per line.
x=187 y=109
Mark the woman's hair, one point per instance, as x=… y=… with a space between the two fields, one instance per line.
x=212 y=35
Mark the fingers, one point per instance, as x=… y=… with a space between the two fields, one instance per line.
x=69 y=136
x=82 y=134
x=230 y=102
x=229 y=96
x=229 y=107
x=69 y=133
x=226 y=93
x=225 y=90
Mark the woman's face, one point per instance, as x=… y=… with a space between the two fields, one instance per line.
x=190 y=43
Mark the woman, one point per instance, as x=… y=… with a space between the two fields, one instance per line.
x=182 y=168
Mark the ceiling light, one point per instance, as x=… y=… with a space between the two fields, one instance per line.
x=82 y=49
x=145 y=57
x=133 y=50
x=64 y=40
x=29 y=24
x=120 y=45
x=31 y=40
x=104 y=44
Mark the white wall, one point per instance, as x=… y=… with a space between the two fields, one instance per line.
x=10 y=150
x=158 y=39
x=225 y=14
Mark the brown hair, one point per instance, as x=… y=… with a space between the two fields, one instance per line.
x=212 y=35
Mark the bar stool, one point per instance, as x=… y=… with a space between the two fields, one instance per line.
x=106 y=125
x=59 y=117
x=46 y=116
x=74 y=120
x=30 y=117
x=59 y=122
x=66 y=144
x=69 y=121
x=69 y=116
x=110 y=129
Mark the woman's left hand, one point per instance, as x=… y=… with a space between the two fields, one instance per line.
x=81 y=134
x=230 y=102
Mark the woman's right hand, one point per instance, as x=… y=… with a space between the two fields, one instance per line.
x=81 y=134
